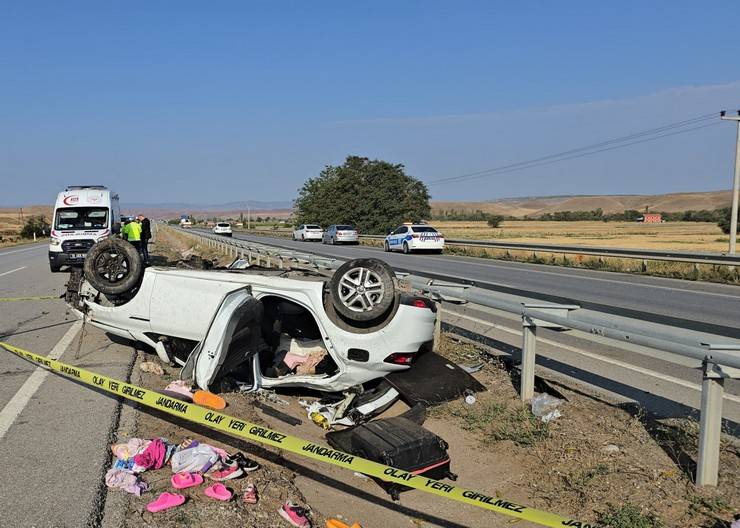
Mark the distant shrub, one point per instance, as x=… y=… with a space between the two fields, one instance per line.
x=35 y=225
x=724 y=222
x=494 y=220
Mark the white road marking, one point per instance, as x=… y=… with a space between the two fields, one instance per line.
x=615 y=362
x=12 y=271
x=20 y=250
x=18 y=402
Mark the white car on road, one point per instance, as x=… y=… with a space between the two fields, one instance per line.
x=263 y=328
x=340 y=234
x=308 y=232
x=223 y=229
x=414 y=237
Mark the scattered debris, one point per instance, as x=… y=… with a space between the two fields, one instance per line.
x=472 y=369
x=545 y=406
x=151 y=366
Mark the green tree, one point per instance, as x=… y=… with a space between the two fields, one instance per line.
x=374 y=195
x=724 y=222
x=37 y=225
x=494 y=220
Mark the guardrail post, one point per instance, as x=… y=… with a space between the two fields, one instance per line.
x=710 y=428
x=529 y=352
x=267 y=259
x=437 y=328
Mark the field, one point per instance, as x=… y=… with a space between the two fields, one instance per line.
x=681 y=236
x=11 y=221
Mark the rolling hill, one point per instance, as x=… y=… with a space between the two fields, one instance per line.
x=534 y=206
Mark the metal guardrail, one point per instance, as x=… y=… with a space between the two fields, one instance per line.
x=642 y=254
x=719 y=360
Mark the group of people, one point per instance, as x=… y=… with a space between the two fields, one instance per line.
x=138 y=232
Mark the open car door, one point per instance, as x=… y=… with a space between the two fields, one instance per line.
x=232 y=339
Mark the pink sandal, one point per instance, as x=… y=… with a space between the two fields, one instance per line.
x=219 y=492
x=250 y=494
x=184 y=480
x=165 y=501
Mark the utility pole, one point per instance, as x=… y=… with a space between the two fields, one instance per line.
x=249 y=216
x=735 y=182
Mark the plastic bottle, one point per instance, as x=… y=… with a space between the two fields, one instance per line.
x=469 y=397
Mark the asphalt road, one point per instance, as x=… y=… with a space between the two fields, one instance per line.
x=54 y=434
x=700 y=306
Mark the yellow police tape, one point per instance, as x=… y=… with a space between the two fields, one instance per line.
x=249 y=431
x=37 y=298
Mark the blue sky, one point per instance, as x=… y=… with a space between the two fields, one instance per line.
x=216 y=102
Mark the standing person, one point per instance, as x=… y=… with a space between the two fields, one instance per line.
x=133 y=234
x=124 y=228
x=146 y=235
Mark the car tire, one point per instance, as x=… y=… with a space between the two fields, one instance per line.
x=406 y=249
x=55 y=269
x=333 y=242
x=113 y=266
x=369 y=299
x=386 y=247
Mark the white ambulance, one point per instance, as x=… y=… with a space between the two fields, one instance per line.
x=83 y=215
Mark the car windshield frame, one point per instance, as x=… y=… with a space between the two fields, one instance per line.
x=223 y=224
x=313 y=226
x=345 y=227
x=423 y=229
x=82 y=218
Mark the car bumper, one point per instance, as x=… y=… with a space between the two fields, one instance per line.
x=427 y=244
x=58 y=259
x=347 y=238
x=313 y=236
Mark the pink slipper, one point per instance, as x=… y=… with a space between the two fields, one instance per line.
x=186 y=480
x=165 y=501
x=218 y=492
x=180 y=390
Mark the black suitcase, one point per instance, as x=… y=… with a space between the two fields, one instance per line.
x=397 y=442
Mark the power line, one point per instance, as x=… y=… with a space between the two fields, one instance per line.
x=567 y=154
x=585 y=153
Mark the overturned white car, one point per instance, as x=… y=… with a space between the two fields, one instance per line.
x=260 y=327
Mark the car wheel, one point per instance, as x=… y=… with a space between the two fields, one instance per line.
x=333 y=241
x=386 y=247
x=113 y=266
x=362 y=289
x=406 y=249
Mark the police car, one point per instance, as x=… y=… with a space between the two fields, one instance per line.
x=413 y=237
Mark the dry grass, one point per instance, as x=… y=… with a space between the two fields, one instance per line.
x=680 y=236
x=12 y=220
x=598 y=461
